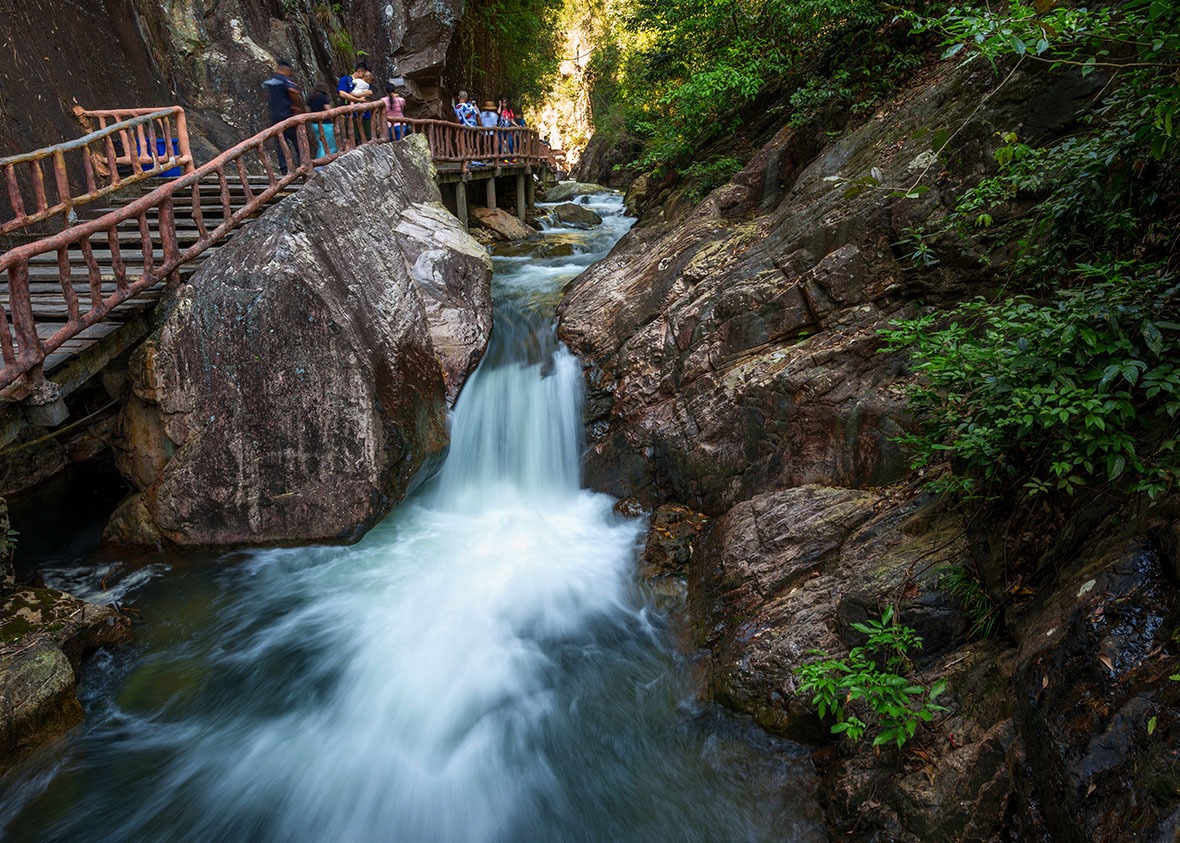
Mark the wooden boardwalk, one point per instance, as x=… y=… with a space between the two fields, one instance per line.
x=77 y=300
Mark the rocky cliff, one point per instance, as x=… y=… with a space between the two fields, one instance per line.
x=735 y=367
x=302 y=379
x=208 y=57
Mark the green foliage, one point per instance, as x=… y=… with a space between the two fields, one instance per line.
x=964 y=586
x=711 y=173
x=1080 y=390
x=1068 y=381
x=687 y=73
x=873 y=672
x=918 y=252
x=8 y=541
x=509 y=48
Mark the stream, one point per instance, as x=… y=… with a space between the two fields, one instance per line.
x=483 y=666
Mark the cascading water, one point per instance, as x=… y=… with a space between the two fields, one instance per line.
x=481 y=667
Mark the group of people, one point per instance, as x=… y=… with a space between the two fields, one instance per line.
x=285 y=99
x=490 y=116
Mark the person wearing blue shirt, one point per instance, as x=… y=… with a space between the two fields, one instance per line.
x=467 y=113
x=284 y=99
x=344 y=86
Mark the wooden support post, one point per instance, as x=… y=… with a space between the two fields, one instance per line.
x=491 y=194
x=461 y=202
x=530 y=187
x=520 y=197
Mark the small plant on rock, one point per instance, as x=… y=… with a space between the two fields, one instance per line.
x=873 y=672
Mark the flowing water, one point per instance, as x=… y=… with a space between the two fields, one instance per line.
x=483 y=666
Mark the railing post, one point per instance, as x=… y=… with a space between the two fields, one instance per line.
x=186 y=151
x=461 y=202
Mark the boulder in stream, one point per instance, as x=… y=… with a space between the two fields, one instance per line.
x=576 y=215
x=503 y=225
x=301 y=381
x=564 y=191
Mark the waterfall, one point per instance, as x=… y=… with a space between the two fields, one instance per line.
x=483 y=666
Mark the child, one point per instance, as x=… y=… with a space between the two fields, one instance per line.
x=361 y=89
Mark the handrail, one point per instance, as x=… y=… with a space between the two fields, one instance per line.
x=24 y=351
x=144 y=132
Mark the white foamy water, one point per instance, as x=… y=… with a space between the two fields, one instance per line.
x=483 y=666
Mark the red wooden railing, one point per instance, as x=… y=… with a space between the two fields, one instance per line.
x=142 y=143
x=24 y=351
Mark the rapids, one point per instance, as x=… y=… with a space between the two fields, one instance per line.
x=482 y=666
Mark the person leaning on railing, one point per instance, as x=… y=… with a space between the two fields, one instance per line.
x=395 y=112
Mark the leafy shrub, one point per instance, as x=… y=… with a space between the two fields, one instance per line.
x=964 y=586
x=873 y=672
x=1080 y=390
x=711 y=173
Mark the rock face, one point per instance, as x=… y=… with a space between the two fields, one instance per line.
x=734 y=368
x=735 y=350
x=301 y=380
x=209 y=57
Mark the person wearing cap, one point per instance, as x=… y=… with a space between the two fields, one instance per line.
x=284 y=99
x=489 y=118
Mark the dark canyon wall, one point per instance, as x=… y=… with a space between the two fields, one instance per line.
x=207 y=56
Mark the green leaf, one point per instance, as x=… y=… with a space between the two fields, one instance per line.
x=1151 y=723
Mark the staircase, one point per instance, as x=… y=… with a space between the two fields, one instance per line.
x=50 y=309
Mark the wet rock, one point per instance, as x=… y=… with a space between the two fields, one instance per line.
x=670 y=538
x=956 y=781
x=1096 y=709
x=37 y=699
x=502 y=224
x=786 y=573
x=564 y=191
x=576 y=216
x=534 y=249
x=302 y=380
x=44 y=635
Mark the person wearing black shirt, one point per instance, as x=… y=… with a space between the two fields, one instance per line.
x=284 y=100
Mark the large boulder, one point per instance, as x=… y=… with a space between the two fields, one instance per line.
x=502 y=225
x=302 y=378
